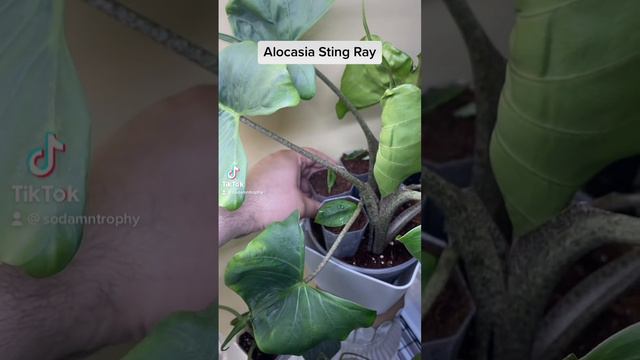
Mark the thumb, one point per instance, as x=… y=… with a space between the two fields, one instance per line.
x=311 y=207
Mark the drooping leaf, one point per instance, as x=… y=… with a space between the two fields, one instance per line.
x=274 y=19
x=245 y=88
x=183 y=335
x=232 y=160
x=304 y=79
x=400 y=138
x=357 y=155
x=624 y=345
x=45 y=123
x=569 y=105
x=249 y=88
x=412 y=240
x=288 y=315
x=335 y=213
x=364 y=85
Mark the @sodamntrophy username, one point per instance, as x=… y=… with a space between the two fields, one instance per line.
x=65 y=219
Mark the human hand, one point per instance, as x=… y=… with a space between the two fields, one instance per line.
x=276 y=186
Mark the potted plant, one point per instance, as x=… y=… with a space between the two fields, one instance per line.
x=325 y=184
x=536 y=145
x=248 y=89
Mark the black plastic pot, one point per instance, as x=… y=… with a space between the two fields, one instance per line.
x=447 y=348
x=352 y=239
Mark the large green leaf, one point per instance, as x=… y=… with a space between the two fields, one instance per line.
x=288 y=315
x=624 y=345
x=183 y=335
x=569 y=106
x=399 y=151
x=274 y=19
x=42 y=106
x=364 y=85
x=304 y=79
x=245 y=88
x=412 y=240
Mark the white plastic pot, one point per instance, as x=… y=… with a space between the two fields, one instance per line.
x=347 y=282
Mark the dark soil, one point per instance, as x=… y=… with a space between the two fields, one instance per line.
x=359 y=224
x=246 y=341
x=394 y=254
x=356 y=166
x=622 y=313
x=319 y=183
x=445 y=136
x=448 y=312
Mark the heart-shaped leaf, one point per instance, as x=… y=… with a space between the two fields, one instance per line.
x=288 y=315
x=304 y=79
x=569 y=106
x=412 y=240
x=364 y=85
x=335 y=213
x=245 y=88
x=45 y=141
x=274 y=19
x=624 y=345
x=400 y=138
x=183 y=335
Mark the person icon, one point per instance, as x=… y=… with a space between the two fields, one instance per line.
x=17 y=219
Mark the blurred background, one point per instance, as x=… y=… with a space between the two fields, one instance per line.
x=123 y=71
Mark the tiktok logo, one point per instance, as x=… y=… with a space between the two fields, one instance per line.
x=42 y=161
x=233 y=173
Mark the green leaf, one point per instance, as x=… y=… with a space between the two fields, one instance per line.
x=245 y=88
x=364 y=85
x=569 y=106
x=571 y=357
x=251 y=89
x=335 y=213
x=331 y=179
x=624 y=345
x=232 y=160
x=400 y=138
x=275 y=19
x=357 y=155
x=412 y=240
x=288 y=315
x=41 y=102
x=183 y=335
x=304 y=79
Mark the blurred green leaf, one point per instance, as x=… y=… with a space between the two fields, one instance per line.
x=331 y=179
x=42 y=103
x=183 y=335
x=288 y=315
x=625 y=345
x=569 y=106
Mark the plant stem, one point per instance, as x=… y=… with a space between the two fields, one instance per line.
x=335 y=245
x=488 y=67
x=403 y=219
x=166 y=37
x=229 y=310
x=340 y=170
x=372 y=141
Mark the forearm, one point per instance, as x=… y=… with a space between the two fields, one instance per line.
x=51 y=318
x=233 y=224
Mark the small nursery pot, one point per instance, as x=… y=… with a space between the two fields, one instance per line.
x=364 y=176
x=352 y=283
x=447 y=348
x=319 y=196
x=352 y=239
x=245 y=356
